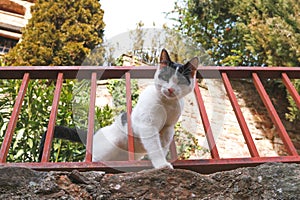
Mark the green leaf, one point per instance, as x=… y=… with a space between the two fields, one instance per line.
x=19 y=153
x=30 y=142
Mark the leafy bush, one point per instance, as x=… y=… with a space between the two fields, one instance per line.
x=33 y=120
x=294 y=112
x=186 y=143
x=117 y=89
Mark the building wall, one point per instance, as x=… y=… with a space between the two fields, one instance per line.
x=14 y=15
x=225 y=127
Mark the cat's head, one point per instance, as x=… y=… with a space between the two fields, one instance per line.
x=175 y=80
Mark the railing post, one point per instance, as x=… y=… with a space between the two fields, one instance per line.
x=292 y=90
x=13 y=119
x=274 y=116
x=91 y=119
x=52 y=119
x=206 y=125
x=239 y=115
x=129 y=124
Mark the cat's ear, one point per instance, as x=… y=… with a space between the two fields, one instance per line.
x=193 y=65
x=164 y=59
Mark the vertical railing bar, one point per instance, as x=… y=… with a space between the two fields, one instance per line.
x=239 y=115
x=13 y=119
x=206 y=125
x=292 y=90
x=274 y=116
x=129 y=124
x=91 y=119
x=173 y=151
x=52 y=119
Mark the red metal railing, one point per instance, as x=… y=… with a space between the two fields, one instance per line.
x=202 y=165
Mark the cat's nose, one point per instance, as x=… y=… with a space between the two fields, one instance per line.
x=171 y=90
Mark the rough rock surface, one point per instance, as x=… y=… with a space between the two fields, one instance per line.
x=267 y=181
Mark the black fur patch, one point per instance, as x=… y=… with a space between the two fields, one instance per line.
x=124 y=118
x=63 y=132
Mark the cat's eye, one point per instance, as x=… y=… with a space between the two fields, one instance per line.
x=164 y=77
x=165 y=74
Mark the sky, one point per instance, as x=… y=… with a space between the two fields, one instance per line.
x=122 y=15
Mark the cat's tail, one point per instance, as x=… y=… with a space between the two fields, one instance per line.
x=62 y=132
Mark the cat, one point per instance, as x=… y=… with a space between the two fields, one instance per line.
x=153 y=118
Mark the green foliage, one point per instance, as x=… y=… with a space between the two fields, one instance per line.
x=80 y=108
x=245 y=33
x=95 y=58
x=63 y=150
x=1 y=62
x=258 y=32
x=59 y=33
x=184 y=48
x=147 y=44
x=186 y=143
x=104 y=117
x=78 y=103
x=294 y=112
x=34 y=115
x=117 y=88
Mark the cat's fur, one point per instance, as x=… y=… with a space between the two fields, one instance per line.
x=153 y=118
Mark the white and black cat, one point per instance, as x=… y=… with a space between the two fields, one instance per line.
x=153 y=118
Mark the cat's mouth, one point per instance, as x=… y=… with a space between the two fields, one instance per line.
x=169 y=95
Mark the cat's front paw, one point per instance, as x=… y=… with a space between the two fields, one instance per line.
x=164 y=165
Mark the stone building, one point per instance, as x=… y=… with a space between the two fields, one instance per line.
x=14 y=15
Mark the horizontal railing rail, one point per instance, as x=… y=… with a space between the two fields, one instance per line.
x=71 y=72
x=94 y=73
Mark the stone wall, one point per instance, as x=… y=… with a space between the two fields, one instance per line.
x=229 y=139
